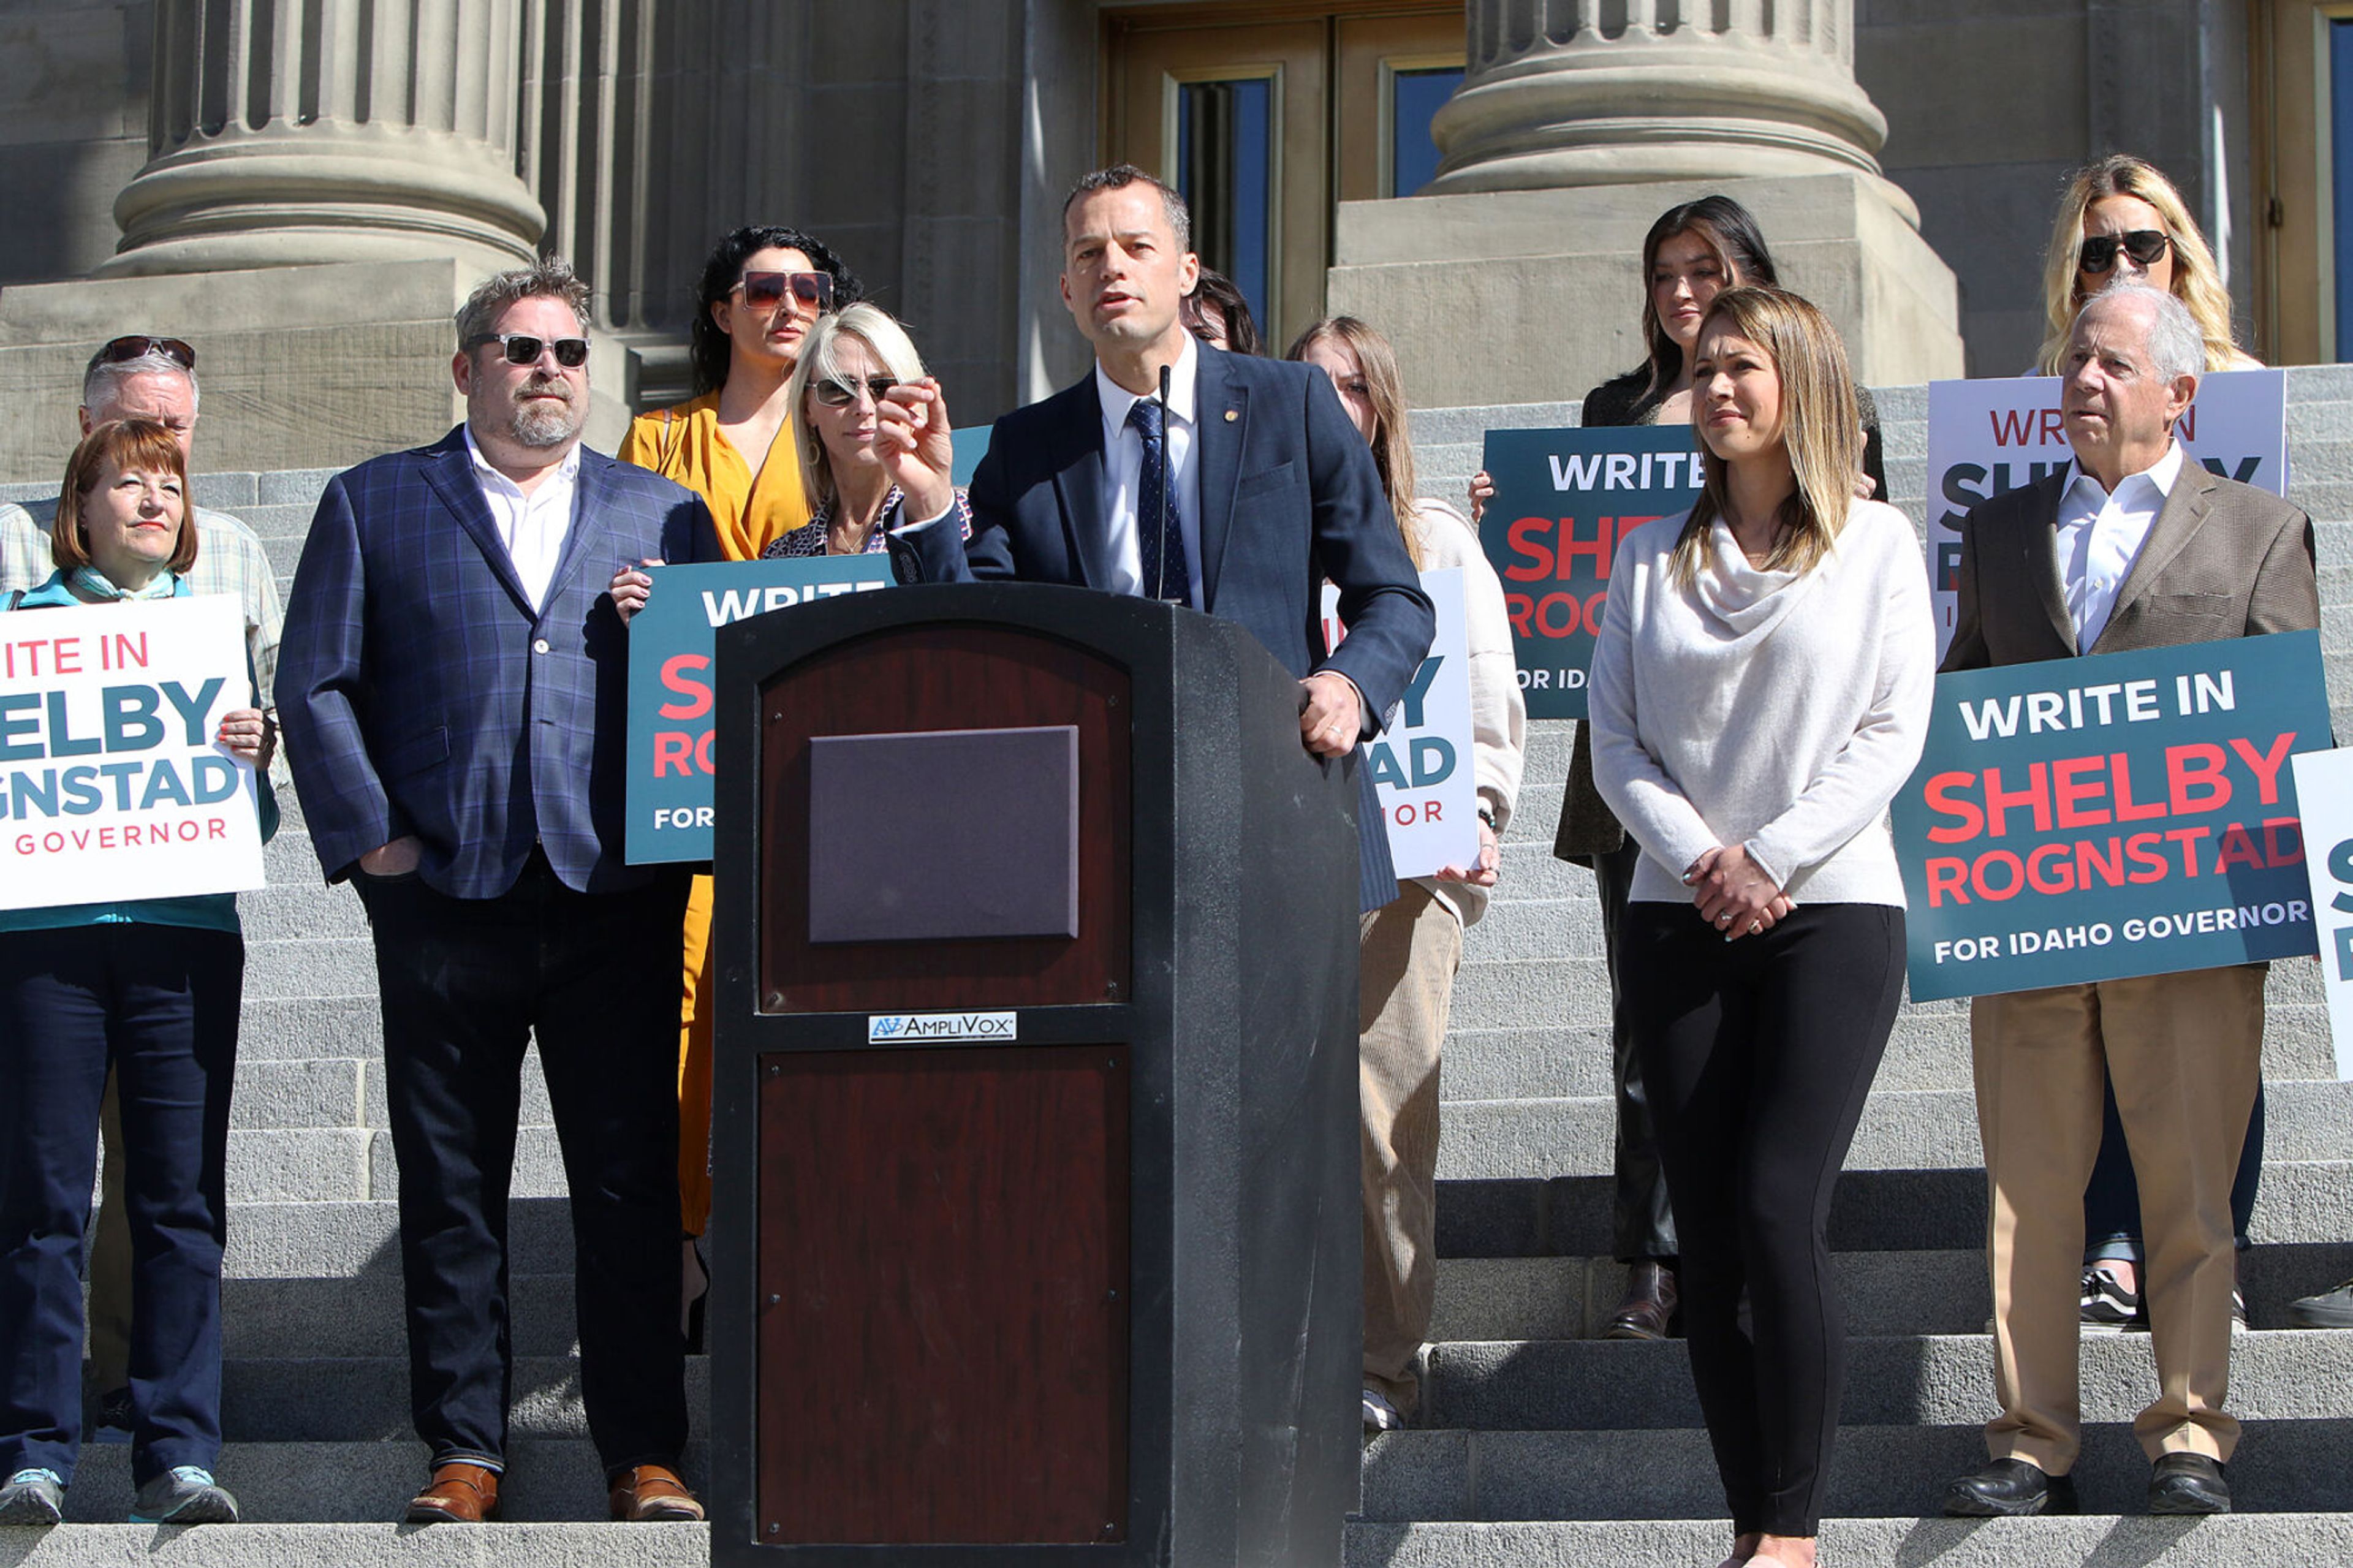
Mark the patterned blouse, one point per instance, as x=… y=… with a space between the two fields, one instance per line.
x=809 y=538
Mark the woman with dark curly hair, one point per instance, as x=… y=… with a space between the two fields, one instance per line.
x=762 y=290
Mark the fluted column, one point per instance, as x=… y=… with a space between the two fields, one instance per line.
x=291 y=132
x=1562 y=94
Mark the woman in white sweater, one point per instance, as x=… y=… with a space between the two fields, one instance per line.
x=1760 y=692
x=1409 y=947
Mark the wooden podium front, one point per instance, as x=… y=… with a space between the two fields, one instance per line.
x=1034 y=1140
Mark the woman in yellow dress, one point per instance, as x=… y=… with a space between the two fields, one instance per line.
x=763 y=289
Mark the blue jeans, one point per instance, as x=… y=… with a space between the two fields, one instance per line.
x=2112 y=1198
x=160 y=1003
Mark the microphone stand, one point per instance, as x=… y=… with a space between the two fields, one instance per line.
x=1159 y=589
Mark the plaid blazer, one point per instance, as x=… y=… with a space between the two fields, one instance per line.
x=2222 y=560
x=422 y=694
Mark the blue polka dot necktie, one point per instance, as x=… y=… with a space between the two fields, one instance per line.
x=1160 y=546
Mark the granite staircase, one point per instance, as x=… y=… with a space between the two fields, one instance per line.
x=1540 y=1444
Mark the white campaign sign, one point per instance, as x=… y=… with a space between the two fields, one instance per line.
x=1988 y=437
x=2324 y=796
x=111 y=786
x=1428 y=789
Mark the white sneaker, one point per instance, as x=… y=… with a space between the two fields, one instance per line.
x=1380 y=1416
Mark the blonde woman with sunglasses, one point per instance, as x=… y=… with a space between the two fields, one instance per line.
x=846 y=372
x=763 y=288
x=2121 y=218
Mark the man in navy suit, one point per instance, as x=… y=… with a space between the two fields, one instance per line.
x=452 y=683
x=1270 y=489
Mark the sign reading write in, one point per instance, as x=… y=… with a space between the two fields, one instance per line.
x=2323 y=784
x=110 y=784
x=2127 y=814
x=671 y=682
x=1429 y=791
x=1563 y=501
x=1988 y=437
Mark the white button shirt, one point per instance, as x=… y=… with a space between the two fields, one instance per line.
x=2100 y=536
x=1123 y=470
x=533 y=527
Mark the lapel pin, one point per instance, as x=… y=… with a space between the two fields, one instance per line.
x=1231 y=416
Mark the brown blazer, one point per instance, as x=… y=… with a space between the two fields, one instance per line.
x=2222 y=560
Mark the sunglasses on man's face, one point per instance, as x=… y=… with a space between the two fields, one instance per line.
x=765 y=290
x=2143 y=245
x=842 y=394
x=130 y=348
x=522 y=348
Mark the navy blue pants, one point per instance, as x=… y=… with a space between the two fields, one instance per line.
x=466 y=983
x=2112 y=1199
x=159 y=1003
x=1760 y=1054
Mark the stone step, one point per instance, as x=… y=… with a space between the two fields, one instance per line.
x=1900 y=1130
x=2303 y=1202
x=302 y=908
x=287 y=521
x=366 y=1399
x=547 y=1478
x=360 y=1315
x=293 y=1028
x=1894 y=1472
x=2230 y=1541
x=1612 y=1385
x=1885 y=1293
x=328 y=1164
x=284 y=1240
x=274 y=1094
x=309 y=966
x=380 y=1546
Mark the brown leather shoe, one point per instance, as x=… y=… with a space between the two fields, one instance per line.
x=652 y=1492
x=1648 y=1312
x=458 y=1493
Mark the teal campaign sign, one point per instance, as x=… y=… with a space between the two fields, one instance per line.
x=1563 y=501
x=2125 y=814
x=671 y=687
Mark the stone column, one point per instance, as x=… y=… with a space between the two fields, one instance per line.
x=285 y=133
x=1565 y=93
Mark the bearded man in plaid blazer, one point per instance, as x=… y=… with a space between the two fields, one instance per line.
x=453 y=688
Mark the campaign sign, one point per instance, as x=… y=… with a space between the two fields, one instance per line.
x=2125 y=813
x=1988 y=437
x=2324 y=783
x=1428 y=789
x=111 y=785
x=1562 y=500
x=671 y=686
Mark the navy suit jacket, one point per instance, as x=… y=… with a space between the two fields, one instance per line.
x=1289 y=498
x=422 y=694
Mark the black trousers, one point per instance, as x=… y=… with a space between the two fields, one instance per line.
x=159 y=1004
x=1760 y=1054
x=466 y=983
x=1643 y=1226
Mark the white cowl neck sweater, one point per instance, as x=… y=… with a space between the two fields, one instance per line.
x=1778 y=711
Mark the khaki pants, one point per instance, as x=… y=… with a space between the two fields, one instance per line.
x=2184 y=1052
x=109 y=1260
x=1407 y=952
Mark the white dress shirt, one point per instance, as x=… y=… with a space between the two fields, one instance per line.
x=532 y=527
x=2100 y=536
x=1123 y=470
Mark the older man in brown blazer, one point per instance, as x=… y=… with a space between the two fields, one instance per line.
x=2135 y=546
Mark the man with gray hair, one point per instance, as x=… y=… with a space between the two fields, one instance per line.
x=2134 y=547
x=141 y=377
x=455 y=692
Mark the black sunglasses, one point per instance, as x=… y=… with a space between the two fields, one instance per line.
x=132 y=347
x=2143 y=245
x=842 y=394
x=522 y=348
x=764 y=289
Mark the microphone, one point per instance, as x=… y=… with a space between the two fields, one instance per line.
x=1159 y=590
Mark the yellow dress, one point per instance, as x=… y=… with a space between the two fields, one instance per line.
x=684 y=443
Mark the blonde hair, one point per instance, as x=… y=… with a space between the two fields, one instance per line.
x=2196 y=280
x=1821 y=430
x=1385 y=390
x=820 y=361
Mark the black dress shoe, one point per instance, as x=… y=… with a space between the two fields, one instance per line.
x=2009 y=1487
x=2188 y=1483
x=1648 y=1312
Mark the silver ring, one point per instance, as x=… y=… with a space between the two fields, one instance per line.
x=1756 y=926
x=1724 y=920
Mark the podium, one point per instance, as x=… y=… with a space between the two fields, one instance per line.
x=1034 y=1150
